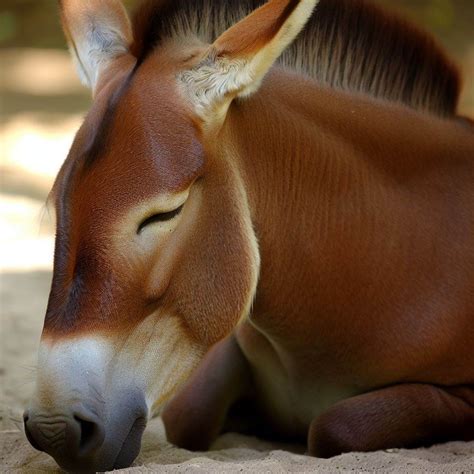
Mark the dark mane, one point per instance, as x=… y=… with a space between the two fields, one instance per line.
x=347 y=44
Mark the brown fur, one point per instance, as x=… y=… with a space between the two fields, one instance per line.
x=347 y=44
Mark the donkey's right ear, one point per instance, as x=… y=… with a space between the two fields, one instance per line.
x=98 y=31
x=236 y=63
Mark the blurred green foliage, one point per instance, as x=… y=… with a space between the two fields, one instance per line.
x=451 y=21
x=35 y=23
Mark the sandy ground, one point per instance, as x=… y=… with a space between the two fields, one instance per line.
x=239 y=454
x=34 y=141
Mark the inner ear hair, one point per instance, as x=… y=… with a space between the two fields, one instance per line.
x=239 y=59
x=97 y=32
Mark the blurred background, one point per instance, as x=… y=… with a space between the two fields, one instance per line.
x=42 y=105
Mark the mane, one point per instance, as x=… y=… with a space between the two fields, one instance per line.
x=352 y=45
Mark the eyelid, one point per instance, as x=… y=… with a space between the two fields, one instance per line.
x=159 y=217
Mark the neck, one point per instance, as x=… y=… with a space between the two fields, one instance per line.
x=322 y=172
x=295 y=167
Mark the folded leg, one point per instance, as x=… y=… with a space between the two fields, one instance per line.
x=196 y=415
x=407 y=415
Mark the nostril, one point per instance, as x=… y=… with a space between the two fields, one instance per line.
x=87 y=431
x=91 y=433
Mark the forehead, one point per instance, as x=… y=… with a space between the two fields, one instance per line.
x=137 y=139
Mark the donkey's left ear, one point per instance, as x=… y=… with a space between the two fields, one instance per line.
x=98 y=31
x=236 y=63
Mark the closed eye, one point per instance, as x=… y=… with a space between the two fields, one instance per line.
x=160 y=217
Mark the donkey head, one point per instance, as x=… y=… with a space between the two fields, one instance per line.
x=156 y=258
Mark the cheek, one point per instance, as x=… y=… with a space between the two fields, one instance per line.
x=162 y=265
x=214 y=286
x=158 y=356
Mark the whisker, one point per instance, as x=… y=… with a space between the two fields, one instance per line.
x=45 y=212
x=30 y=368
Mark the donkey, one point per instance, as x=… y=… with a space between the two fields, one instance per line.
x=267 y=217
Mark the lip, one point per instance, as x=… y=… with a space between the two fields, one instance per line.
x=131 y=444
x=129 y=450
x=120 y=440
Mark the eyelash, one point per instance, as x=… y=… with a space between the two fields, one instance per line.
x=160 y=217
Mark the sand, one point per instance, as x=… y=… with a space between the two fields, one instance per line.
x=238 y=454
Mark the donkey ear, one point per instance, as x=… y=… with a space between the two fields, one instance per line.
x=97 y=31
x=239 y=59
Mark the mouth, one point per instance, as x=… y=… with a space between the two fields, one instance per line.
x=131 y=445
x=109 y=458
